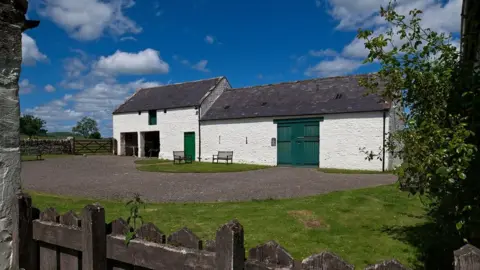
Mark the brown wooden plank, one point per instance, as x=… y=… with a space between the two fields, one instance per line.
x=325 y=260
x=57 y=234
x=229 y=247
x=467 y=258
x=25 y=248
x=185 y=238
x=48 y=257
x=94 y=250
x=70 y=259
x=158 y=256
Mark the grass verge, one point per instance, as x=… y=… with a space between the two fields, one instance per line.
x=199 y=167
x=345 y=171
x=354 y=224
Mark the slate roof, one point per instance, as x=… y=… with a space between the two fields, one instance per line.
x=309 y=97
x=180 y=95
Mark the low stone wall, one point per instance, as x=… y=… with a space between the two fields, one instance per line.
x=30 y=146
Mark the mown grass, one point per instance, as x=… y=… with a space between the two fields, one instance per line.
x=354 y=224
x=151 y=161
x=346 y=171
x=199 y=167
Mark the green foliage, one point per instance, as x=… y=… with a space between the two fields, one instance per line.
x=95 y=135
x=421 y=73
x=86 y=127
x=32 y=126
x=134 y=217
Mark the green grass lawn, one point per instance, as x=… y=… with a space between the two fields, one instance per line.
x=353 y=224
x=34 y=158
x=197 y=167
x=345 y=171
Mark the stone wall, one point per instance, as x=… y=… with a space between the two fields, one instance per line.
x=46 y=146
x=12 y=23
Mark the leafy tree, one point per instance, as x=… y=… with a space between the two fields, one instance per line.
x=95 y=135
x=32 y=126
x=422 y=73
x=86 y=127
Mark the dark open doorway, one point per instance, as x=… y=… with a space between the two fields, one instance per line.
x=152 y=143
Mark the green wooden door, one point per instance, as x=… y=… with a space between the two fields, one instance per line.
x=284 y=144
x=298 y=143
x=189 y=144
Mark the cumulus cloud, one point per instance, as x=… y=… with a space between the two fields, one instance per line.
x=128 y=38
x=322 y=53
x=90 y=19
x=30 y=52
x=49 y=88
x=25 y=87
x=336 y=67
x=144 y=62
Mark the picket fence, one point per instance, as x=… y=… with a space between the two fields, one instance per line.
x=47 y=240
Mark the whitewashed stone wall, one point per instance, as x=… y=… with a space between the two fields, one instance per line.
x=249 y=139
x=213 y=95
x=171 y=126
x=341 y=137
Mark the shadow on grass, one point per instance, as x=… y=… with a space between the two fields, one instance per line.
x=435 y=251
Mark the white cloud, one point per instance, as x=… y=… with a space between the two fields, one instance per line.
x=210 y=39
x=49 y=88
x=322 y=53
x=159 y=13
x=318 y=3
x=128 y=38
x=90 y=19
x=25 y=87
x=30 y=52
x=336 y=67
x=201 y=66
x=144 y=62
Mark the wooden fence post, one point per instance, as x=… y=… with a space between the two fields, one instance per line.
x=467 y=258
x=94 y=252
x=25 y=250
x=229 y=248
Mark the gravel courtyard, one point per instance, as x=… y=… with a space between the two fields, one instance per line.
x=115 y=177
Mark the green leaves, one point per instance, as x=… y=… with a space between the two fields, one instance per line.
x=421 y=73
x=134 y=205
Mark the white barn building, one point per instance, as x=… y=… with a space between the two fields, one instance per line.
x=315 y=123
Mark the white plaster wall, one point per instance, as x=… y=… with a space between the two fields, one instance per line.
x=342 y=135
x=233 y=135
x=171 y=125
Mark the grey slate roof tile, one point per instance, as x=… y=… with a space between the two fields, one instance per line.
x=170 y=96
x=308 y=97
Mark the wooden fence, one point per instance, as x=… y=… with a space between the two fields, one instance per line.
x=92 y=146
x=47 y=240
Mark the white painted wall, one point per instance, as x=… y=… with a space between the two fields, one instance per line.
x=171 y=125
x=341 y=136
x=249 y=139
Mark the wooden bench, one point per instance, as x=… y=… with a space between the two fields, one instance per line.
x=180 y=156
x=223 y=155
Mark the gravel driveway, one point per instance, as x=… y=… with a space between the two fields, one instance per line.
x=115 y=177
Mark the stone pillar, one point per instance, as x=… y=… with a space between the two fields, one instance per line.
x=12 y=24
x=141 y=144
x=121 y=145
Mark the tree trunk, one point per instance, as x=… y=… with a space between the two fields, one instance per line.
x=12 y=23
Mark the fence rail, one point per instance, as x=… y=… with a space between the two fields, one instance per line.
x=48 y=240
x=91 y=146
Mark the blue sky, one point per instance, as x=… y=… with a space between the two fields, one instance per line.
x=88 y=56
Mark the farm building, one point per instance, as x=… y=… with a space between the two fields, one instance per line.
x=319 y=122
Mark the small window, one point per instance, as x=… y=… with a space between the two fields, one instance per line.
x=164 y=110
x=152 y=117
x=139 y=113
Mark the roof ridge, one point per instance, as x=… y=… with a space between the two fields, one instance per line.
x=158 y=86
x=297 y=81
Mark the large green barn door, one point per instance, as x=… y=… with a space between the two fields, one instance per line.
x=298 y=142
x=284 y=144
